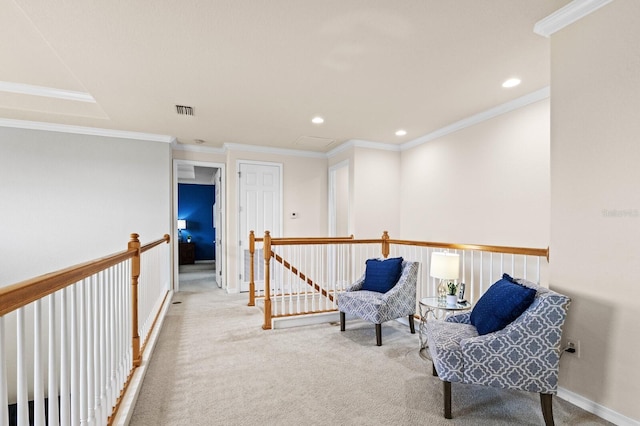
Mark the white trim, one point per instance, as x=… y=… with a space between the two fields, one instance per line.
x=520 y=102
x=595 y=408
x=248 y=148
x=196 y=148
x=91 y=131
x=47 y=92
x=271 y=150
x=567 y=15
x=359 y=143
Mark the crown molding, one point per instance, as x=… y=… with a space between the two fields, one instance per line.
x=270 y=150
x=248 y=148
x=196 y=148
x=520 y=102
x=530 y=98
x=567 y=15
x=91 y=131
x=359 y=143
x=47 y=92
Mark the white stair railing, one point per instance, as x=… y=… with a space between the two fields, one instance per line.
x=80 y=362
x=304 y=275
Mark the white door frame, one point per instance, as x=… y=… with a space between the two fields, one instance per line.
x=241 y=238
x=174 y=216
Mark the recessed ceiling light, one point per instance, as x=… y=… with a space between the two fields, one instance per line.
x=512 y=82
x=401 y=132
x=317 y=120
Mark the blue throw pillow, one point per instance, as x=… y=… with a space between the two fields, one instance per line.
x=382 y=274
x=502 y=303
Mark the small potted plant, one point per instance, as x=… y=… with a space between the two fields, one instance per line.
x=452 y=297
x=189 y=238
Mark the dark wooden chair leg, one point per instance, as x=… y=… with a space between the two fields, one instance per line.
x=433 y=370
x=379 y=334
x=447 y=400
x=546 y=400
x=342 y=315
x=412 y=326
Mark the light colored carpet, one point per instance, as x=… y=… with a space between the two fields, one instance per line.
x=214 y=365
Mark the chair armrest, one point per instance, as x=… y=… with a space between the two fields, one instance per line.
x=406 y=282
x=401 y=299
x=464 y=318
x=356 y=285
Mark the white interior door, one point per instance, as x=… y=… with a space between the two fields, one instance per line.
x=260 y=209
x=218 y=224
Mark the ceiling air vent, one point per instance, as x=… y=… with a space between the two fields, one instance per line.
x=184 y=110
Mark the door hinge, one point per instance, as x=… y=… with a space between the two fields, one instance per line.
x=240 y=276
x=240 y=243
x=239 y=175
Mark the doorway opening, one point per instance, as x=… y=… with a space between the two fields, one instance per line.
x=199 y=223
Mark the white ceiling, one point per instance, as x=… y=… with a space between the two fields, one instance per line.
x=256 y=72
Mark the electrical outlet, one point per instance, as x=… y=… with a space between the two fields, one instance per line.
x=573 y=344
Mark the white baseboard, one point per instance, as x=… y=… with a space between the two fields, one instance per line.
x=595 y=408
x=299 y=320
x=128 y=404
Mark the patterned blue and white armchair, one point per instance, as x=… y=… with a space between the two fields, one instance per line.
x=522 y=353
x=386 y=291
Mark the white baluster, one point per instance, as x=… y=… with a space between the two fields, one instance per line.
x=4 y=400
x=102 y=349
x=74 y=365
x=52 y=367
x=82 y=352
x=38 y=380
x=22 y=390
x=89 y=332
x=112 y=339
x=65 y=415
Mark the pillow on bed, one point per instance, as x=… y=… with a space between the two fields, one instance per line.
x=502 y=303
x=382 y=274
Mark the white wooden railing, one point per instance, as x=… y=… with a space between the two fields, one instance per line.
x=70 y=340
x=302 y=276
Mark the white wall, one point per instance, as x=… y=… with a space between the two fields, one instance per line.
x=595 y=201
x=69 y=198
x=376 y=193
x=486 y=184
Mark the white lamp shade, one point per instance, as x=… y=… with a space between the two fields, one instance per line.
x=445 y=266
x=182 y=224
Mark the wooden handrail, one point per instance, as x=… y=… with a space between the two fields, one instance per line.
x=348 y=240
x=307 y=239
x=17 y=295
x=477 y=247
x=152 y=244
x=21 y=294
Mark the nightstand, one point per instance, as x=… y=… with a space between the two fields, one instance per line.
x=186 y=253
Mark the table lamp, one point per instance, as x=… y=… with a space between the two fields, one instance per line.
x=446 y=267
x=182 y=224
